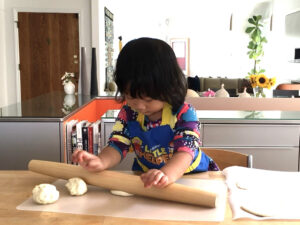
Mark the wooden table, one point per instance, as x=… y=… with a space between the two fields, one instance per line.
x=16 y=187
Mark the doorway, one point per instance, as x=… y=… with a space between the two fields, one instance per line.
x=48 y=47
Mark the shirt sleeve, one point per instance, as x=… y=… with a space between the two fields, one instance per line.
x=187 y=131
x=119 y=138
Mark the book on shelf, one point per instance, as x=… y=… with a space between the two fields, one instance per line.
x=69 y=127
x=96 y=137
x=85 y=136
x=74 y=140
x=90 y=139
x=79 y=126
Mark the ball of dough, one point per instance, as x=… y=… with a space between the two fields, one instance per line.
x=76 y=186
x=45 y=194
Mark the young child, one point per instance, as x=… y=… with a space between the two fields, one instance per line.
x=162 y=130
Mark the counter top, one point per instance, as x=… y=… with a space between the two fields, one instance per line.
x=233 y=116
x=16 y=187
x=53 y=106
x=229 y=116
x=56 y=106
x=245 y=104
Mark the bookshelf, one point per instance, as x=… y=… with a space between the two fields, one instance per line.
x=91 y=112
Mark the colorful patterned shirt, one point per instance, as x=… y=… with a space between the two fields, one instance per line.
x=186 y=130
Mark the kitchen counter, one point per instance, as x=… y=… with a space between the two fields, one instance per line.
x=35 y=128
x=16 y=187
x=54 y=106
x=245 y=104
x=233 y=116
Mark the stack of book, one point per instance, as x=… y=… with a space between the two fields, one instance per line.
x=83 y=135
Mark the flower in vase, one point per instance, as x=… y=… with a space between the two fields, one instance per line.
x=67 y=77
x=259 y=82
x=253 y=80
x=262 y=80
x=272 y=82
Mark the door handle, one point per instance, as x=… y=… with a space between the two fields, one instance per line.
x=75 y=59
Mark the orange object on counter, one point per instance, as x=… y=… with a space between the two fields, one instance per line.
x=288 y=87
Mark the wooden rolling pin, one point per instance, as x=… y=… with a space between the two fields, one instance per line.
x=125 y=182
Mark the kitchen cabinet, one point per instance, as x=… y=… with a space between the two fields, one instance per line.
x=35 y=129
x=272 y=137
x=273 y=146
x=23 y=141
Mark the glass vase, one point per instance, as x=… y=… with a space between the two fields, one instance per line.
x=259 y=92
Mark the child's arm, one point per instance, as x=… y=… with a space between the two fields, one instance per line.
x=169 y=173
x=108 y=158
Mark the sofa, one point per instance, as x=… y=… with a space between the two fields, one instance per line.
x=232 y=85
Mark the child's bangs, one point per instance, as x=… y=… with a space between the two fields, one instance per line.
x=143 y=89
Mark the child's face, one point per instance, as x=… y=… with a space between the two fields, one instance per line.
x=147 y=106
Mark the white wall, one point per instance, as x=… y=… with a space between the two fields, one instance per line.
x=8 y=76
x=96 y=16
x=101 y=44
x=285 y=44
x=214 y=49
x=3 y=97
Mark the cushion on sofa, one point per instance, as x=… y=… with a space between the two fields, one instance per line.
x=211 y=83
x=194 y=83
x=245 y=83
x=230 y=83
x=234 y=85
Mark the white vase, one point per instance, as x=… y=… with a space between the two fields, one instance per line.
x=69 y=88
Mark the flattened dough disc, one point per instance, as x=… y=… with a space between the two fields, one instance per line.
x=120 y=193
x=262 y=204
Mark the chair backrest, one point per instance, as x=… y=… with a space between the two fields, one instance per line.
x=225 y=158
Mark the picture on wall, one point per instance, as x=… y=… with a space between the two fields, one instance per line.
x=181 y=49
x=109 y=50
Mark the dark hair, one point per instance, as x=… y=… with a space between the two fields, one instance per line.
x=148 y=67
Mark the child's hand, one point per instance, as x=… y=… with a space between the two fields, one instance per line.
x=155 y=178
x=87 y=160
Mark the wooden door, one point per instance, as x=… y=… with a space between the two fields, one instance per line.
x=48 y=47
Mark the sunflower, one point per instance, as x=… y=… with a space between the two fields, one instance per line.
x=272 y=81
x=253 y=80
x=262 y=81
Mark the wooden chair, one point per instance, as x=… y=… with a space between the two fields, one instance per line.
x=226 y=158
